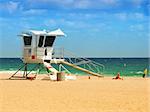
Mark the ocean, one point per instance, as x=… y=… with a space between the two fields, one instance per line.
x=126 y=66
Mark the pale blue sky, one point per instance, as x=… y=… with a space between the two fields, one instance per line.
x=94 y=28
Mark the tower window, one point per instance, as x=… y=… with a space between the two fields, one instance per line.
x=49 y=41
x=27 y=40
x=41 y=41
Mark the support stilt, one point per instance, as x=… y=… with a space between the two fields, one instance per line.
x=37 y=66
x=25 y=70
x=17 y=71
x=25 y=73
x=61 y=67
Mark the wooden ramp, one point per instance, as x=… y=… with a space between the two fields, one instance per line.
x=82 y=69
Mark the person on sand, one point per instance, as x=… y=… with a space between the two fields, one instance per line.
x=118 y=76
x=145 y=73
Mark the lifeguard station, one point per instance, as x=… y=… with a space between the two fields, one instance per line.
x=38 y=45
x=38 y=49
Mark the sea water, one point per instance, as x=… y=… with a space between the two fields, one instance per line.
x=126 y=66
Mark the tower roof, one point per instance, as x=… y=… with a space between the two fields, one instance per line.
x=57 y=32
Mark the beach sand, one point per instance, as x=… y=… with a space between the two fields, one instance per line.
x=81 y=95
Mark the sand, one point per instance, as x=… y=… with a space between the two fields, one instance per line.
x=81 y=95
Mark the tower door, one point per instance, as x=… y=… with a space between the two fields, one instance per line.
x=40 y=53
x=48 y=53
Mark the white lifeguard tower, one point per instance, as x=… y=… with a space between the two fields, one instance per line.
x=38 y=49
x=38 y=45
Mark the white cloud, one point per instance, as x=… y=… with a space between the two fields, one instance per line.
x=34 y=11
x=82 y=4
x=60 y=2
x=130 y=16
x=136 y=27
x=137 y=3
x=81 y=16
x=109 y=2
x=10 y=6
x=56 y=22
x=138 y=15
x=76 y=25
x=121 y=16
x=78 y=4
x=85 y=4
x=50 y=22
x=63 y=2
x=97 y=4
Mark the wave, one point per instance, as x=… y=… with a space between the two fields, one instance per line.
x=139 y=72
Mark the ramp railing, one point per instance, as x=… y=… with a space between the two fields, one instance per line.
x=84 y=63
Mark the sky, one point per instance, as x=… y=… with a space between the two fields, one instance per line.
x=94 y=28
